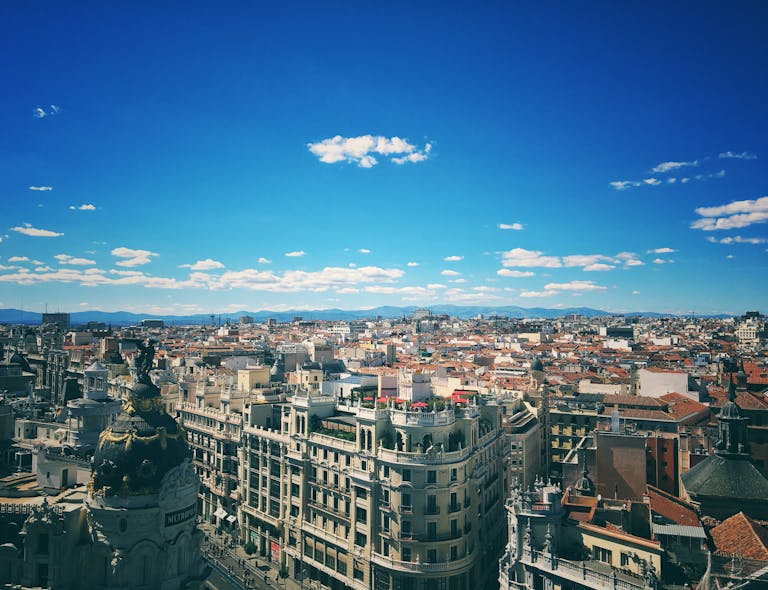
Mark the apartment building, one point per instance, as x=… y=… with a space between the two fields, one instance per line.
x=379 y=494
x=213 y=423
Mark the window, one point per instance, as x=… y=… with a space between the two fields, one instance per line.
x=405 y=501
x=454 y=527
x=364 y=465
x=601 y=554
x=431 y=530
x=330 y=561
x=454 y=553
x=358 y=574
x=341 y=567
x=385 y=549
x=454 y=474
x=624 y=560
x=431 y=555
x=385 y=496
x=431 y=476
x=361 y=515
x=385 y=522
x=386 y=471
x=360 y=539
x=405 y=527
x=406 y=475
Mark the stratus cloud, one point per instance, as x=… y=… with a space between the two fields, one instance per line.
x=35 y=232
x=733 y=215
x=83 y=207
x=72 y=260
x=514 y=274
x=132 y=257
x=41 y=188
x=738 y=156
x=512 y=226
x=207 y=264
x=362 y=150
x=731 y=240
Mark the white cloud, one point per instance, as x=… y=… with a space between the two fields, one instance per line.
x=72 y=260
x=513 y=226
x=579 y=286
x=83 y=207
x=28 y=230
x=360 y=150
x=460 y=281
x=733 y=215
x=435 y=286
x=132 y=257
x=633 y=262
x=659 y=261
x=730 y=257
x=41 y=188
x=296 y=254
x=364 y=251
x=43 y=268
x=413 y=264
x=737 y=240
x=635 y=292
x=347 y=290
x=263 y=260
x=529 y=259
x=739 y=156
x=18 y=259
x=667 y=166
x=585 y=260
x=450 y=273
x=598 y=267
x=652 y=181
x=621 y=185
x=84 y=304
x=662 y=251
x=514 y=274
x=453 y=258
x=207 y=264
x=41 y=112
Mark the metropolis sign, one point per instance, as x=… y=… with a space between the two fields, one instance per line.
x=179 y=516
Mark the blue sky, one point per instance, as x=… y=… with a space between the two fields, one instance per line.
x=195 y=159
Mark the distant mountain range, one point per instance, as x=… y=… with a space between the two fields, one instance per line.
x=125 y=318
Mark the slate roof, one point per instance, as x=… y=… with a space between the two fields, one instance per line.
x=726 y=477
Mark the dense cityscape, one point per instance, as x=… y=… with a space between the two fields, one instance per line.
x=408 y=453
x=384 y=296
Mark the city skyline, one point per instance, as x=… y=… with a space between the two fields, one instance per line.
x=176 y=161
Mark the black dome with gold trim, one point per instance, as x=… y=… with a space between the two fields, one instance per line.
x=141 y=445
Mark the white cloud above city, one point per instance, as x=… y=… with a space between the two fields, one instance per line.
x=366 y=150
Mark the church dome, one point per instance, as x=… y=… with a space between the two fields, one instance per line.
x=730 y=410
x=139 y=447
x=537 y=365
x=17 y=359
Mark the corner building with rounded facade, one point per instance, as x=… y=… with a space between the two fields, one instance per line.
x=389 y=498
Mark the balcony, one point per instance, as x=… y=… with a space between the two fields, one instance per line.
x=454 y=507
x=414 y=566
x=431 y=510
x=406 y=509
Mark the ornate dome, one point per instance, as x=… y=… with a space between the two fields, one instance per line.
x=141 y=445
x=537 y=365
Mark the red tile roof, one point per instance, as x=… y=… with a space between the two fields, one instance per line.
x=741 y=534
x=672 y=508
